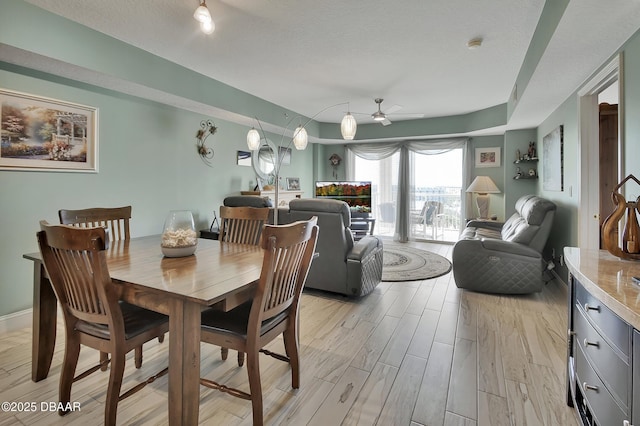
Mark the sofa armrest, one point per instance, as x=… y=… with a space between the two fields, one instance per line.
x=363 y=248
x=364 y=266
x=488 y=224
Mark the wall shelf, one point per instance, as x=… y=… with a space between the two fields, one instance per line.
x=529 y=165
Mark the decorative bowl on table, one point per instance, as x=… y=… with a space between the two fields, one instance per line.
x=179 y=238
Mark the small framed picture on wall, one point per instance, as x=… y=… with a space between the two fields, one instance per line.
x=293 y=184
x=488 y=157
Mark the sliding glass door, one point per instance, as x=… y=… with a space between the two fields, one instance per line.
x=436 y=195
x=435 y=192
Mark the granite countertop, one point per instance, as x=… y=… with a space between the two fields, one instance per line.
x=608 y=278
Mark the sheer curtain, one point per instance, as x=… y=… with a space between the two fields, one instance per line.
x=379 y=151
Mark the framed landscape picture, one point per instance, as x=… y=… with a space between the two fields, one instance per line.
x=43 y=134
x=488 y=157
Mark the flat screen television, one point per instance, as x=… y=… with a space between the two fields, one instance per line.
x=355 y=193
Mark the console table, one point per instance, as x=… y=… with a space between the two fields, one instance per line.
x=603 y=341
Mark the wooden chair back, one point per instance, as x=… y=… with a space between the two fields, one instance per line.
x=116 y=219
x=76 y=263
x=242 y=225
x=289 y=250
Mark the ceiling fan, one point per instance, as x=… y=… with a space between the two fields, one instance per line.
x=381 y=116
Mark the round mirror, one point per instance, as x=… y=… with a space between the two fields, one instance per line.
x=264 y=159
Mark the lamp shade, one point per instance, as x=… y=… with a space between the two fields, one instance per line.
x=253 y=139
x=300 y=138
x=348 y=127
x=202 y=13
x=483 y=185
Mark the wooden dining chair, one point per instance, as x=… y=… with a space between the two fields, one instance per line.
x=241 y=225
x=116 y=219
x=288 y=251
x=93 y=314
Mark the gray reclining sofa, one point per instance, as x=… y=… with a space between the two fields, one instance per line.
x=496 y=257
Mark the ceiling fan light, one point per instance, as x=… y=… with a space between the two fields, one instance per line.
x=348 y=127
x=202 y=13
x=300 y=138
x=378 y=116
x=208 y=27
x=253 y=139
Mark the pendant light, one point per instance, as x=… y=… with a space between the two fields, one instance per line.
x=348 y=127
x=207 y=27
x=202 y=13
x=253 y=139
x=300 y=137
x=203 y=16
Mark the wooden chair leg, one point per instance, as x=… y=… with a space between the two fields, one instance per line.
x=255 y=387
x=104 y=356
x=113 y=390
x=138 y=356
x=224 y=353
x=292 y=348
x=240 y=359
x=71 y=355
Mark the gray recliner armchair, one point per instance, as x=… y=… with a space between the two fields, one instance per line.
x=343 y=266
x=495 y=257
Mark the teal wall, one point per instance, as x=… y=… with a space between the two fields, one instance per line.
x=565 y=228
x=518 y=140
x=147 y=159
x=496 y=201
x=632 y=107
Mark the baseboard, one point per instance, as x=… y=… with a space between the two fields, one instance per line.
x=557 y=277
x=16 y=321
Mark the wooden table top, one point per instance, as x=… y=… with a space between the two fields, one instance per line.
x=608 y=278
x=216 y=270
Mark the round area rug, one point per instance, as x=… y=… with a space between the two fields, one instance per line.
x=405 y=263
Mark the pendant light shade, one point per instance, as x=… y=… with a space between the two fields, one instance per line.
x=253 y=139
x=207 y=27
x=202 y=13
x=348 y=127
x=300 y=138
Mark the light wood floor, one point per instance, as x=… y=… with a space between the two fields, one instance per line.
x=410 y=353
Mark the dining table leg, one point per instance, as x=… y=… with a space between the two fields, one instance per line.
x=45 y=307
x=184 y=362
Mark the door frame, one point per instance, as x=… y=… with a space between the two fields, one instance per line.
x=588 y=149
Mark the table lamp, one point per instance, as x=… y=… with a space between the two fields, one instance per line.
x=483 y=186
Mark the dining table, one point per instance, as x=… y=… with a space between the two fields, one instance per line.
x=219 y=274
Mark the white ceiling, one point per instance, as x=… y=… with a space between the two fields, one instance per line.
x=305 y=55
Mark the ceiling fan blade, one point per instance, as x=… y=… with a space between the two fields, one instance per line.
x=409 y=115
x=392 y=109
x=385 y=122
